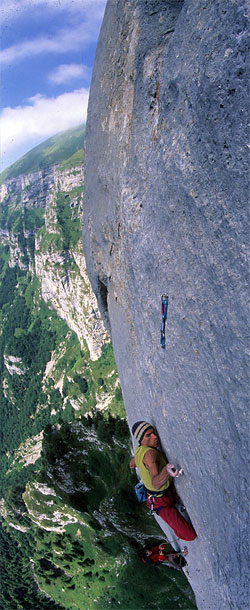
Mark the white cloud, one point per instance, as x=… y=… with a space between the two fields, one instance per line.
x=24 y=127
x=68 y=39
x=12 y=10
x=65 y=73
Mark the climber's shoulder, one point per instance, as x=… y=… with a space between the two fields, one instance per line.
x=151 y=456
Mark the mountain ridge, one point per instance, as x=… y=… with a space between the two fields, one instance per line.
x=64 y=148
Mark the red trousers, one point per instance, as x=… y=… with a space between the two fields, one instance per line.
x=171 y=515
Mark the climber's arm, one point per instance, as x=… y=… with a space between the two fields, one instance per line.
x=152 y=464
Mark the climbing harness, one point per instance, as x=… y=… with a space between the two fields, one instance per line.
x=164 y=310
x=142 y=492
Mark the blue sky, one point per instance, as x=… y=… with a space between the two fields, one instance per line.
x=46 y=57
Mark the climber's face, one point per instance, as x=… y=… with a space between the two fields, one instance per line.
x=150 y=439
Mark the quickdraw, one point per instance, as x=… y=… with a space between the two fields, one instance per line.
x=154 y=510
x=164 y=310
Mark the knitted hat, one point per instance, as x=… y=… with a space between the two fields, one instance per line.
x=139 y=429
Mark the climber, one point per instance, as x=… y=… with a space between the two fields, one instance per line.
x=156 y=475
x=156 y=553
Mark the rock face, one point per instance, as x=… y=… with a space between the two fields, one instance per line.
x=165 y=212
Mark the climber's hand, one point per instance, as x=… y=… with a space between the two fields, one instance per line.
x=171 y=470
x=132 y=463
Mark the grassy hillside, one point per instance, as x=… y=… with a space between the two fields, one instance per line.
x=65 y=148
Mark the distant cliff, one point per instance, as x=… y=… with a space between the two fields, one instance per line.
x=40 y=225
x=166 y=184
x=51 y=327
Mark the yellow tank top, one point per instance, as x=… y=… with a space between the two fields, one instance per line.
x=144 y=474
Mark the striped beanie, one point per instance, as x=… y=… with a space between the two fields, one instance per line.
x=139 y=429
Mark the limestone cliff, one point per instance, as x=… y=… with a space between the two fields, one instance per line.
x=165 y=212
x=57 y=261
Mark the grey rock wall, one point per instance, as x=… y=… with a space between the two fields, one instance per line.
x=166 y=184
